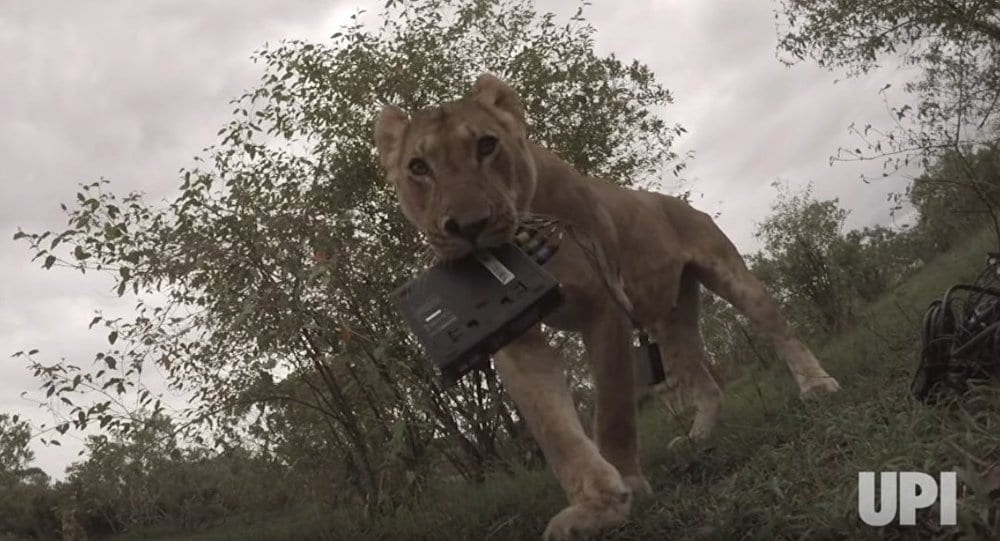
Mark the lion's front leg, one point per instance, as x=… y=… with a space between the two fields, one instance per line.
x=533 y=374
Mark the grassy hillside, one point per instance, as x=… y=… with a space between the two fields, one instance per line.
x=777 y=468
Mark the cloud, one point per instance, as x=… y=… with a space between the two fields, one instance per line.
x=751 y=120
x=131 y=91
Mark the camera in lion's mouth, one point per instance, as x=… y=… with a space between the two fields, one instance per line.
x=463 y=311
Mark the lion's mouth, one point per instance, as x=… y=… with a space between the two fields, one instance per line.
x=453 y=247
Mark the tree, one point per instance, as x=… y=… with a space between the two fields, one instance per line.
x=876 y=258
x=15 y=452
x=819 y=271
x=146 y=477
x=954 y=48
x=948 y=208
x=26 y=499
x=262 y=288
x=798 y=260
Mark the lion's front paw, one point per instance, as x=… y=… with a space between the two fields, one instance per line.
x=815 y=387
x=638 y=486
x=601 y=501
x=585 y=519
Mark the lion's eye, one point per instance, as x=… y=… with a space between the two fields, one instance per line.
x=419 y=167
x=486 y=145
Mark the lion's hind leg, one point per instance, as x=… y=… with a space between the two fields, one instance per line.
x=684 y=354
x=726 y=274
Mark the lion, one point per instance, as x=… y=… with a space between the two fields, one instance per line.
x=466 y=175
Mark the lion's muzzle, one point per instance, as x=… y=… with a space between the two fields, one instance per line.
x=466 y=229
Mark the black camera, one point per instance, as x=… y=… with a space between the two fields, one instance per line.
x=463 y=311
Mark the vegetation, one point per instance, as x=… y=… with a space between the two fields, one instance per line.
x=261 y=289
x=953 y=49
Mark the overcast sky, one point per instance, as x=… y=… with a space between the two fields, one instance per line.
x=131 y=91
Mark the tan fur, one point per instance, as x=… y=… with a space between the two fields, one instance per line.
x=656 y=249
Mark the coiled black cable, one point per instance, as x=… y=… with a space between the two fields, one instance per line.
x=961 y=336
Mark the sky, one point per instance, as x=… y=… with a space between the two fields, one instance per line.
x=132 y=91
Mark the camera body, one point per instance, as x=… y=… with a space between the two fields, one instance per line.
x=461 y=312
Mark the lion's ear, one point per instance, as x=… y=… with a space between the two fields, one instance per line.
x=492 y=92
x=389 y=129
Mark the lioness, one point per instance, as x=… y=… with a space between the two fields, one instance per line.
x=465 y=174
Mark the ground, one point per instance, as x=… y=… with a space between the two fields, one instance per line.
x=777 y=468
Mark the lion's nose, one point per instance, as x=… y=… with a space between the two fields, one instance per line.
x=467 y=230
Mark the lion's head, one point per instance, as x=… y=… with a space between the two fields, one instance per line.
x=463 y=171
